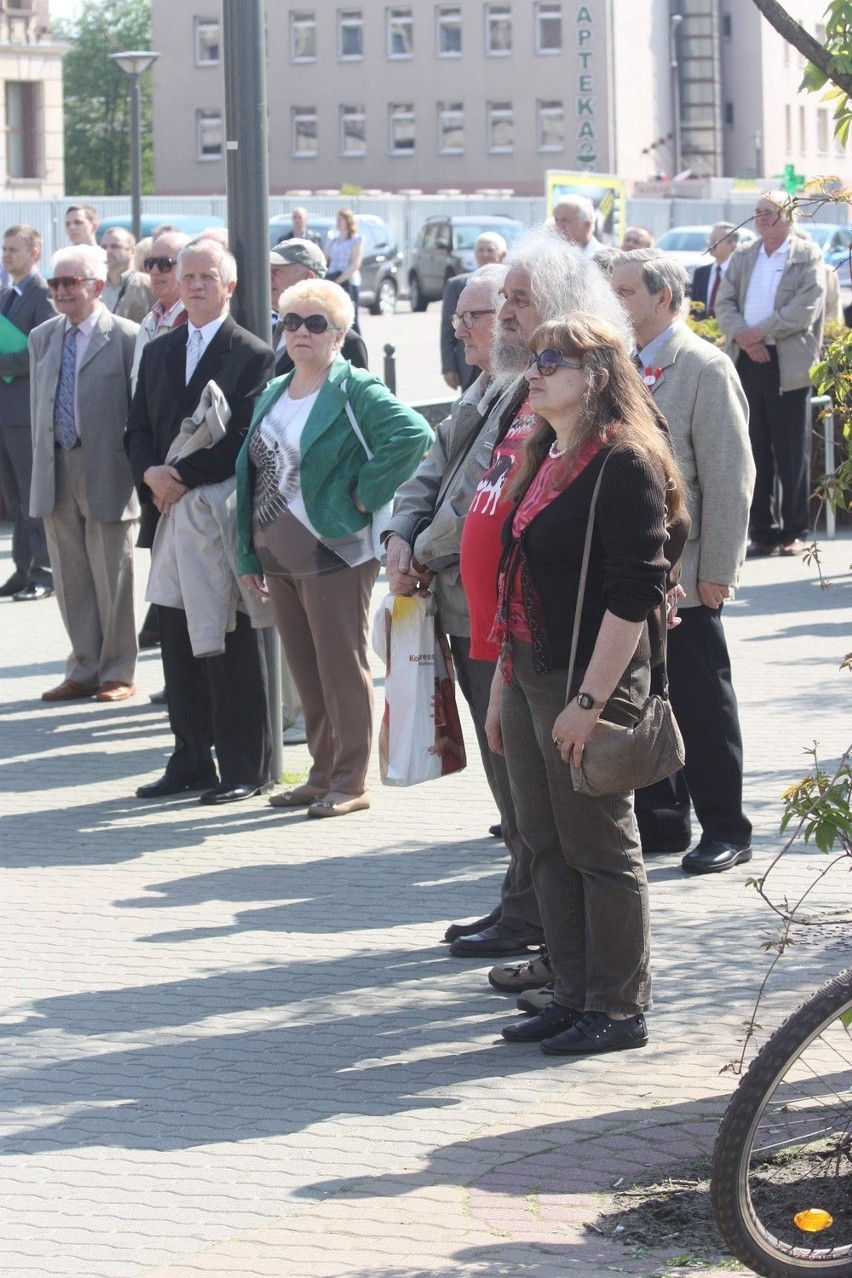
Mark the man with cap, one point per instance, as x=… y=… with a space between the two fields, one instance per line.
x=289 y=262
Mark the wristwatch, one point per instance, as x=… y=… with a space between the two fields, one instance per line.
x=586 y=701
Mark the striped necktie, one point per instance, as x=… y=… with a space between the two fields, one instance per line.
x=63 y=413
x=193 y=353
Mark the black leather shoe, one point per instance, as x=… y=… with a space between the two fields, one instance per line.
x=550 y=1021
x=168 y=785
x=224 y=793
x=11 y=587
x=496 y=940
x=33 y=590
x=710 y=857
x=496 y=831
x=455 y=930
x=595 y=1032
x=149 y=638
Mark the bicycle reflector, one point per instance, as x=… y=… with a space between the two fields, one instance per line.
x=814 y=1220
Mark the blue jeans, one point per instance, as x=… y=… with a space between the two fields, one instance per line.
x=587 y=867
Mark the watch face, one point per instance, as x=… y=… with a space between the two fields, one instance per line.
x=585 y=701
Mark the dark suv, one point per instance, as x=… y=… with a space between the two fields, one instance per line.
x=381 y=262
x=445 y=248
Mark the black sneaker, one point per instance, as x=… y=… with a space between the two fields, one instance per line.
x=551 y=1020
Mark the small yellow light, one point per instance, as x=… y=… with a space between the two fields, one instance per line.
x=813 y=1220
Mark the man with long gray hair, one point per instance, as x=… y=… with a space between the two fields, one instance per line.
x=546 y=277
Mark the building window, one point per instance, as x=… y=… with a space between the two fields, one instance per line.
x=729 y=115
x=206 y=43
x=450 y=128
x=449 y=31
x=353 y=131
x=498 y=30
x=208 y=126
x=726 y=26
x=350 y=34
x=802 y=131
x=822 y=130
x=303 y=36
x=400 y=33
x=788 y=129
x=501 y=127
x=548 y=27
x=550 y=126
x=401 y=129
x=304 y=132
x=22 y=132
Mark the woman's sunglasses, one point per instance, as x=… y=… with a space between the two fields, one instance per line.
x=547 y=362
x=313 y=323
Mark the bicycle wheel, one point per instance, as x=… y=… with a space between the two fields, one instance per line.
x=780 y=1183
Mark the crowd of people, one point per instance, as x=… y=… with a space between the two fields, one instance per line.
x=586 y=505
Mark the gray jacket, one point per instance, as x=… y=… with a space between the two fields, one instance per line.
x=795 y=324
x=429 y=509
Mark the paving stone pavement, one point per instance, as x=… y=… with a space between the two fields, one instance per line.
x=233 y=1043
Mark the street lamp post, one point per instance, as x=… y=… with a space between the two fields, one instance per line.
x=674 y=68
x=134 y=63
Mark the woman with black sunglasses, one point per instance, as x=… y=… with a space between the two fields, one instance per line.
x=587 y=866
x=307 y=488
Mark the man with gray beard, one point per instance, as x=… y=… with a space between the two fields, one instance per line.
x=546 y=277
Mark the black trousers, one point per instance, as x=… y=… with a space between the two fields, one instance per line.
x=779 y=428
x=216 y=702
x=705 y=705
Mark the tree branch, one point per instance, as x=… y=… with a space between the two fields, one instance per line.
x=800 y=39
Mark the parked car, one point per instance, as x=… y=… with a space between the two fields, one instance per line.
x=689 y=244
x=444 y=248
x=835 y=241
x=381 y=262
x=190 y=223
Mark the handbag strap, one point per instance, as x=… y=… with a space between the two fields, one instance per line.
x=581 y=593
x=353 y=422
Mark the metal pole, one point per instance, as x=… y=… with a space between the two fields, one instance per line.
x=135 y=159
x=674 y=67
x=825 y=401
x=390 y=367
x=247 y=180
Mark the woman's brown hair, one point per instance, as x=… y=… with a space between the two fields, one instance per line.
x=621 y=411
x=351 y=223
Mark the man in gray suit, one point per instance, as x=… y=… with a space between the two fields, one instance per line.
x=696 y=388
x=80 y=365
x=24 y=304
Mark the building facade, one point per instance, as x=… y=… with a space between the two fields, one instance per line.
x=483 y=95
x=31 y=116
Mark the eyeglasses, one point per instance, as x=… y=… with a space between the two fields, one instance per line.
x=292 y=322
x=67 y=281
x=467 y=317
x=547 y=362
x=163 y=264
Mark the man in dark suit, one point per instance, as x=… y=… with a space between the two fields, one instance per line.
x=706 y=280
x=219 y=700
x=290 y=262
x=25 y=304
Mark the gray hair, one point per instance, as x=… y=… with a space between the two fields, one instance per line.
x=92 y=257
x=493 y=237
x=659 y=271
x=581 y=203
x=492 y=275
x=226 y=263
x=562 y=280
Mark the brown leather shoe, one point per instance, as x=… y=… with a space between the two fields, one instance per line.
x=114 y=691
x=68 y=690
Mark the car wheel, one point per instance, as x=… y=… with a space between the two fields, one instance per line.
x=385 y=303
x=415 y=295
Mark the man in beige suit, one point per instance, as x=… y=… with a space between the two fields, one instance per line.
x=696 y=388
x=82 y=487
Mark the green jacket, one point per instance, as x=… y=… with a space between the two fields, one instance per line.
x=334 y=466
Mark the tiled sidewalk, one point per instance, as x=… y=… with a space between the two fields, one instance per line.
x=234 y=1045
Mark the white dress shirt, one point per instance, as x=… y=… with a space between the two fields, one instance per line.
x=763 y=285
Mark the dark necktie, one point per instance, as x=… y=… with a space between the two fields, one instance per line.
x=714 y=289
x=63 y=416
x=10 y=300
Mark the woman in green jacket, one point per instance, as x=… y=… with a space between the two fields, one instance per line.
x=306 y=490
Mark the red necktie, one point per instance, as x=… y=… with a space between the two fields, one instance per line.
x=714 y=289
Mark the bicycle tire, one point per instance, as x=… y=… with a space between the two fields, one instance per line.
x=786 y=1138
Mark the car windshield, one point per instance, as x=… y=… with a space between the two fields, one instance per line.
x=465 y=236
x=684 y=241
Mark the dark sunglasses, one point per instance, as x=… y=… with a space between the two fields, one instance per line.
x=67 y=281
x=467 y=318
x=163 y=264
x=547 y=362
x=292 y=322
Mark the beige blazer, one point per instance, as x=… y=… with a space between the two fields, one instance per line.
x=699 y=394
x=103 y=396
x=796 y=323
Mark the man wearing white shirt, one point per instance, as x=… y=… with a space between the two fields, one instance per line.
x=770 y=307
x=706 y=280
x=574 y=218
x=217 y=701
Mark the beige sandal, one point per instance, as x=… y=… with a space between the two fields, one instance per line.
x=337 y=803
x=300 y=796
